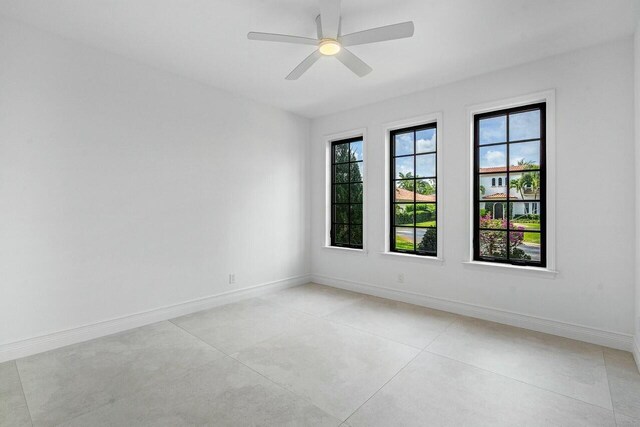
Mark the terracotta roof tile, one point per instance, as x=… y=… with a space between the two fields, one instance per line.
x=498 y=169
x=498 y=196
x=403 y=195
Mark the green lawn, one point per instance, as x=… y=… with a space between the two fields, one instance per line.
x=530 y=237
x=427 y=224
x=404 y=244
x=420 y=224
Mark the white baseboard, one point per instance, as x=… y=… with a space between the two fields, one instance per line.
x=577 y=332
x=636 y=351
x=47 y=342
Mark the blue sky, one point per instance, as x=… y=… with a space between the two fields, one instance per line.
x=524 y=125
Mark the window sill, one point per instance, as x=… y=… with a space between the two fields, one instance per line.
x=346 y=250
x=415 y=258
x=527 y=270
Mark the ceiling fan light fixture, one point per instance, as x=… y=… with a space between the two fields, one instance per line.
x=329 y=47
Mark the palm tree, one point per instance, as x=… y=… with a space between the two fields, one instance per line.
x=408 y=183
x=519 y=184
x=528 y=163
x=535 y=184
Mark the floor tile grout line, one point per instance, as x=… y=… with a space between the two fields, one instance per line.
x=387 y=338
x=136 y=391
x=335 y=322
x=606 y=373
x=324 y=317
x=398 y=373
x=257 y=372
x=317 y=316
x=518 y=380
x=24 y=395
x=277 y=335
x=611 y=394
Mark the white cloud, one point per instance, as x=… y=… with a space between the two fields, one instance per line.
x=493 y=158
x=424 y=145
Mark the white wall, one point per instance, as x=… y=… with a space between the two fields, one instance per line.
x=124 y=188
x=595 y=194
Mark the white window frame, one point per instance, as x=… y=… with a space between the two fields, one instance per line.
x=549 y=97
x=328 y=140
x=400 y=124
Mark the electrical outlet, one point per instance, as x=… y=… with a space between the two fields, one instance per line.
x=401 y=278
x=232 y=279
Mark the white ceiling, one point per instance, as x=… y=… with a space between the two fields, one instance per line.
x=206 y=40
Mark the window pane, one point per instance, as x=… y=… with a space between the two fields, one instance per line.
x=404 y=167
x=404 y=239
x=524 y=186
x=341 y=193
x=347 y=193
x=524 y=125
x=356 y=214
x=356 y=172
x=356 y=151
x=414 y=190
x=341 y=173
x=524 y=155
x=426 y=165
x=404 y=144
x=341 y=153
x=342 y=234
x=404 y=214
x=426 y=190
x=508 y=218
x=356 y=193
x=341 y=214
x=493 y=215
x=493 y=130
x=425 y=215
x=404 y=190
x=493 y=187
x=493 y=244
x=426 y=240
x=356 y=235
x=426 y=140
x=525 y=214
x=493 y=158
x=524 y=246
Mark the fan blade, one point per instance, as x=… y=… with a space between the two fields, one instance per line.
x=282 y=38
x=304 y=65
x=319 y=27
x=380 y=34
x=353 y=63
x=330 y=13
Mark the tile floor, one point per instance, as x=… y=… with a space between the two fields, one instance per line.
x=315 y=355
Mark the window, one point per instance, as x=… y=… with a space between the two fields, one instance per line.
x=413 y=196
x=510 y=221
x=493 y=182
x=499 y=182
x=346 y=193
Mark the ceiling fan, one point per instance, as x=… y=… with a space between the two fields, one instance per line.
x=331 y=42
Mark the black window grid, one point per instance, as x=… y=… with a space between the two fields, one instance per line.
x=351 y=221
x=392 y=232
x=508 y=201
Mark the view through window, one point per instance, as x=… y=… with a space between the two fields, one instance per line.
x=413 y=195
x=346 y=193
x=509 y=186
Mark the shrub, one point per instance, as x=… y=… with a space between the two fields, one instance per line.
x=493 y=243
x=429 y=241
